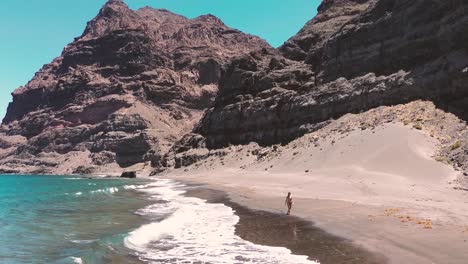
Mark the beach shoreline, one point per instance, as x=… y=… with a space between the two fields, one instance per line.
x=380 y=188
x=276 y=229
x=369 y=227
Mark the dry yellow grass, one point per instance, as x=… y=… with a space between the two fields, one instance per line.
x=396 y=213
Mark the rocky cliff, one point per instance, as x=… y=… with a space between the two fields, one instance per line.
x=120 y=94
x=353 y=56
x=132 y=87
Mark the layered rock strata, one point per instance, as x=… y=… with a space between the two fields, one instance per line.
x=353 y=56
x=120 y=94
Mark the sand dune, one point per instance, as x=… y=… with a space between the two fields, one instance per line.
x=380 y=187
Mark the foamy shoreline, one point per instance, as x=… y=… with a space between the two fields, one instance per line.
x=294 y=233
x=189 y=229
x=380 y=188
x=384 y=235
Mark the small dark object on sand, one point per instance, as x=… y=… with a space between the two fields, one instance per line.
x=128 y=174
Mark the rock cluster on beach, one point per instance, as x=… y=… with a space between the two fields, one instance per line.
x=142 y=86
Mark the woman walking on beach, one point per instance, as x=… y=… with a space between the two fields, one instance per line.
x=289 y=202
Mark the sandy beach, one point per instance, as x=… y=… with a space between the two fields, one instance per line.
x=175 y=132
x=379 y=187
x=296 y=234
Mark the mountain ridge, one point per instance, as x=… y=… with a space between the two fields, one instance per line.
x=150 y=78
x=355 y=55
x=119 y=94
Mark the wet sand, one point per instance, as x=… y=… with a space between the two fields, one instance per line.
x=296 y=234
x=381 y=188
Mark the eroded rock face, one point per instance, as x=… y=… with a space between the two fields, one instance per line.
x=332 y=16
x=353 y=56
x=123 y=92
x=137 y=81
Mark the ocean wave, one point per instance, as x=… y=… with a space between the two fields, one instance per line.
x=77 y=260
x=131 y=187
x=197 y=231
x=163 y=208
x=83 y=241
x=106 y=190
x=75 y=178
x=78 y=193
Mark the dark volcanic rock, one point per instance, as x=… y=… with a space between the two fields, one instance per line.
x=353 y=56
x=137 y=81
x=132 y=84
x=129 y=174
x=332 y=17
x=83 y=170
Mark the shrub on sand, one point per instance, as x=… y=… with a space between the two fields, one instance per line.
x=455 y=145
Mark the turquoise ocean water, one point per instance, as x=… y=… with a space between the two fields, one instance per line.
x=67 y=219
x=54 y=219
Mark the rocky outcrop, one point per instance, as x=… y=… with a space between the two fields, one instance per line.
x=132 y=84
x=353 y=56
x=128 y=90
x=332 y=16
x=129 y=174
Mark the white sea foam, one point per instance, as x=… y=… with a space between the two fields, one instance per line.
x=75 y=178
x=83 y=241
x=159 y=209
x=77 y=260
x=131 y=187
x=78 y=193
x=197 y=232
x=106 y=190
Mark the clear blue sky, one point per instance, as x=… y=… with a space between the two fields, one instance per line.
x=33 y=32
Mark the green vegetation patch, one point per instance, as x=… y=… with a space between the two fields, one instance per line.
x=455 y=146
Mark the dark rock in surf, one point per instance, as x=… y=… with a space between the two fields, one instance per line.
x=129 y=174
